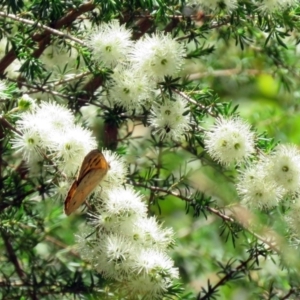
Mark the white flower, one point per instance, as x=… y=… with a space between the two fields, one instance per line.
x=110 y=43
x=47 y=119
x=149 y=260
x=151 y=234
x=28 y=144
x=156 y=274
x=54 y=116
x=284 y=167
x=170 y=118
x=116 y=174
x=229 y=141
x=122 y=202
x=256 y=190
x=113 y=256
x=213 y=5
x=158 y=56
x=292 y=217
x=129 y=89
x=49 y=129
x=273 y=5
x=71 y=146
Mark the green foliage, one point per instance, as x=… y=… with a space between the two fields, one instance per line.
x=239 y=63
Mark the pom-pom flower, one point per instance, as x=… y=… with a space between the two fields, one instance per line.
x=229 y=141
x=257 y=190
x=28 y=144
x=49 y=129
x=121 y=243
x=214 y=5
x=127 y=247
x=129 y=89
x=71 y=147
x=158 y=56
x=284 y=167
x=117 y=172
x=271 y=6
x=170 y=118
x=292 y=217
x=110 y=43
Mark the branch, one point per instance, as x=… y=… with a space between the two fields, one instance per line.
x=223 y=73
x=39 y=25
x=44 y=38
x=288 y=295
x=6 y=124
x=192 y=101
x=12 y=256
x=224 y=217
x=227 y=277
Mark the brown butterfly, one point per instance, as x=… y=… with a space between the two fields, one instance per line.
x=94 y=167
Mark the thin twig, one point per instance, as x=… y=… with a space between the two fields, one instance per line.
x=12 y=256
x=74 y=77
x=223 y=73
x=60 y=244
x=49 y=29
x=289 y=294
x=6 y=124
x=216 y=212
x=192 y=101
x=43 y=39
x=227 y=277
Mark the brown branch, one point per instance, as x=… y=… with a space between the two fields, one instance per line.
x=224 y=217
x=44 y=38
x=60 y=244
x=192 y=101
x=240 y=268
x=144 y=25
x=224 y=73
x=39 y=25
x=172 y=24
x=288 y=295
x=91 y=86
x=12 y=256
x=6 y=124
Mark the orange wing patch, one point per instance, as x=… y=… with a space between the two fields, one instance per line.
x=93 y=169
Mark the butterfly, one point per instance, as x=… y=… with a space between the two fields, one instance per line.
x=93 y=169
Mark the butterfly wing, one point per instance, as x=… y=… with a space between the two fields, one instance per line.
x=93 y=160
x=94 y=167
x=79 y=191
x=68 y=207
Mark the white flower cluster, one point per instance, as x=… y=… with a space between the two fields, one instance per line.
x=270 y=6
x=50 y=128
x=169 y=117
x=229 y=141
x=292 y=216
x=273 y=177
x=265 y=183
x=123 y=244
x=212 y=5
x=138 y=67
